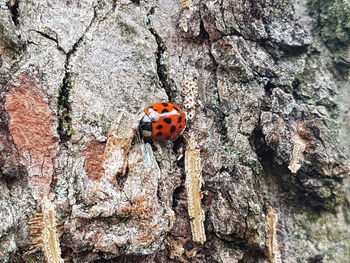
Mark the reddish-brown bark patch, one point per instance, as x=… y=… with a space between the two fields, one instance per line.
x=152 y=233
x=140 y=209
x=94 y=159
x=31 y=126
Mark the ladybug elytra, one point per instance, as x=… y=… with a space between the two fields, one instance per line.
x=163 y=121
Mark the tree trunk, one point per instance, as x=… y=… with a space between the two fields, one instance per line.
x=264 y=142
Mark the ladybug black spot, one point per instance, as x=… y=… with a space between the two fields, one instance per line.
x=164 y=111
x=173 y=128
x=165 y=104
x=159 y=134
x=159 y=127
x=179 y=119
x=180 y=126
x=167 y=120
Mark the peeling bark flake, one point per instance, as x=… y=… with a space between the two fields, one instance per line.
x=297 y=154
x=119 y=140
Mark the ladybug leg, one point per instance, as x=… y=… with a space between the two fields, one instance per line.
x=179 y=147
x=138 y=136
x=159 y=147
x=181 y=153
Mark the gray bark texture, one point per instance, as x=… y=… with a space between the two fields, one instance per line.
x=270 y=94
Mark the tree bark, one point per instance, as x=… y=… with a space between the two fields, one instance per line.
x=266 y=87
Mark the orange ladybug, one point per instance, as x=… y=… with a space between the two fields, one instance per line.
x=163 y=121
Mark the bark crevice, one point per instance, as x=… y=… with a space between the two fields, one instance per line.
x=63 y=101
x=13 y=6
x=52 y=39
x=162 y=69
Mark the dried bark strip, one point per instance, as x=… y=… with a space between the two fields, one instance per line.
x=43 y=230
x=272 y=250
x=193 y=186
x=193 y=166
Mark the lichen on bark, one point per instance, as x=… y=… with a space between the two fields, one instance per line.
x=333 y=24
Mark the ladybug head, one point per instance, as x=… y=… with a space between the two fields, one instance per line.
x=146 y=126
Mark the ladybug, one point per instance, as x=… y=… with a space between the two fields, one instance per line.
x=163 y=121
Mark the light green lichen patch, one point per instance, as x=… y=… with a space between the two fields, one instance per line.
x=65 y=129
x=257 y=168
x=328 y=230
x=334 y=27
x=314 y=87
x=334 y=22
x=284 y=6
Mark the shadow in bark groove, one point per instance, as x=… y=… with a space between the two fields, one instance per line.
x=279 y=174
x=162 y=70
x=290 y=187
x=13 y=6
x=64 y=108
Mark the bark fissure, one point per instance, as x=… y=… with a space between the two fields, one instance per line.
x=63 y=101
x=162 y=69
x=219 y=109
x=52 y=39
x=13 y=6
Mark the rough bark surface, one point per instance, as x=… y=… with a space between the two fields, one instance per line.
x=271 y=123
